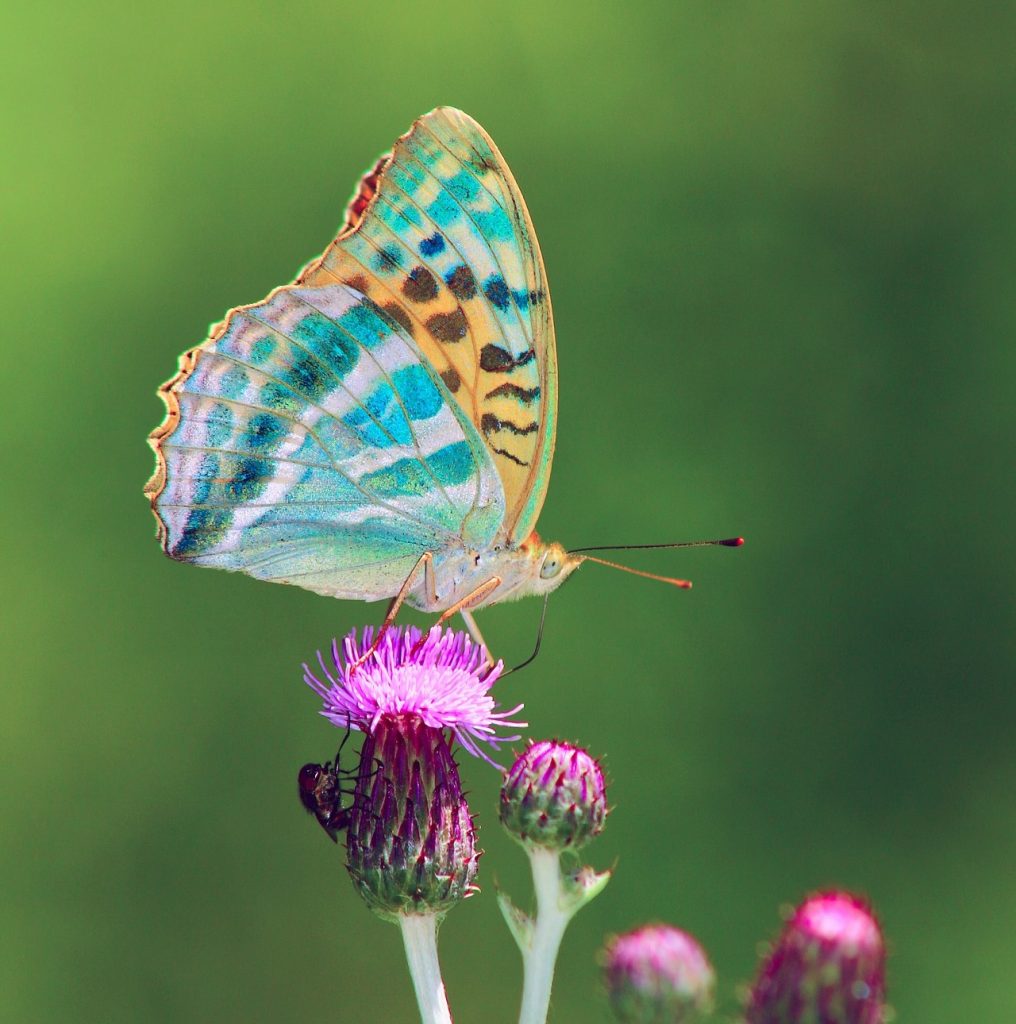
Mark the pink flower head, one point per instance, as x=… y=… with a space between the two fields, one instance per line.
x=442 y=680
x=827 y=966
x=658 y=973
x=554 y=796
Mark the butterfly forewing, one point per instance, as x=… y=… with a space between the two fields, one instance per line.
x=438 y=236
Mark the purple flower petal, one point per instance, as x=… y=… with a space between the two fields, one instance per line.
x=444 y=682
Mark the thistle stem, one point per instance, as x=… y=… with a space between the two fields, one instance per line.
x=419 y=935
x=551 y=920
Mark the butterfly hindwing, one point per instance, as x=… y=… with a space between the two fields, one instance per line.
x=438 y=236
x=309 y=441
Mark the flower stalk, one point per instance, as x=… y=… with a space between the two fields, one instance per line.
x=553 y=801
x=540 y=958
x=419 y=936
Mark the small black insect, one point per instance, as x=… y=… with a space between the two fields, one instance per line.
x=321 y=791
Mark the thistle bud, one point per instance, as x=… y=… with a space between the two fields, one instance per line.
x=827 y=967
x=657 y=975
x=554 y=796
x=410 y=839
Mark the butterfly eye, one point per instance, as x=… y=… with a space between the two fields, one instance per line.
x=550 y=568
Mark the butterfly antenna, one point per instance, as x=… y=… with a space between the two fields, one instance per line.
x=539 y=641
x=683 y=584
x=729 y=542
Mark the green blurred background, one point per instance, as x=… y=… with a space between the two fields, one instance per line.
x=780 y=240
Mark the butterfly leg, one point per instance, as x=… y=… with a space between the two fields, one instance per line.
x=426 y=563
x=485 y=589
x=474 y=629
x=461 y=606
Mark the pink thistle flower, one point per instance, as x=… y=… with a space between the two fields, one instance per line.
x=411 y=843
x=554 y=796
x=443 y=681
x=827 y=966
x=410 y=840
x=658 y=973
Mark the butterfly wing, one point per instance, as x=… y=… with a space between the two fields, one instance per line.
x=309 y=442
x=439 y=237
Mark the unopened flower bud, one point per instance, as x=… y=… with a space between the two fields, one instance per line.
x=554 y=796
x=827 y=967
x=657 y=975
x=410 y=839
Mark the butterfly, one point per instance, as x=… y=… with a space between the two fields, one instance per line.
x=383 y=427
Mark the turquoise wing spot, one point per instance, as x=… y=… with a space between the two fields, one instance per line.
x=234 y=382
x=311 y=453
x=366 y=324
x=387 y=260
x=262 y=349
x=319 y=487
x=494 y=223
x=429 y=156
x=444 y=210
x=400 y=218
x=450 y=465
x=249 y=479
x=522 y=298
x=380 y=422
x=331 y=345
x=405 y=478
x=274 y=396
x=419 y=393
x=464 y=187
x=409 y=178
x=306 y=376
x=204 y=528
x=264 y=433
